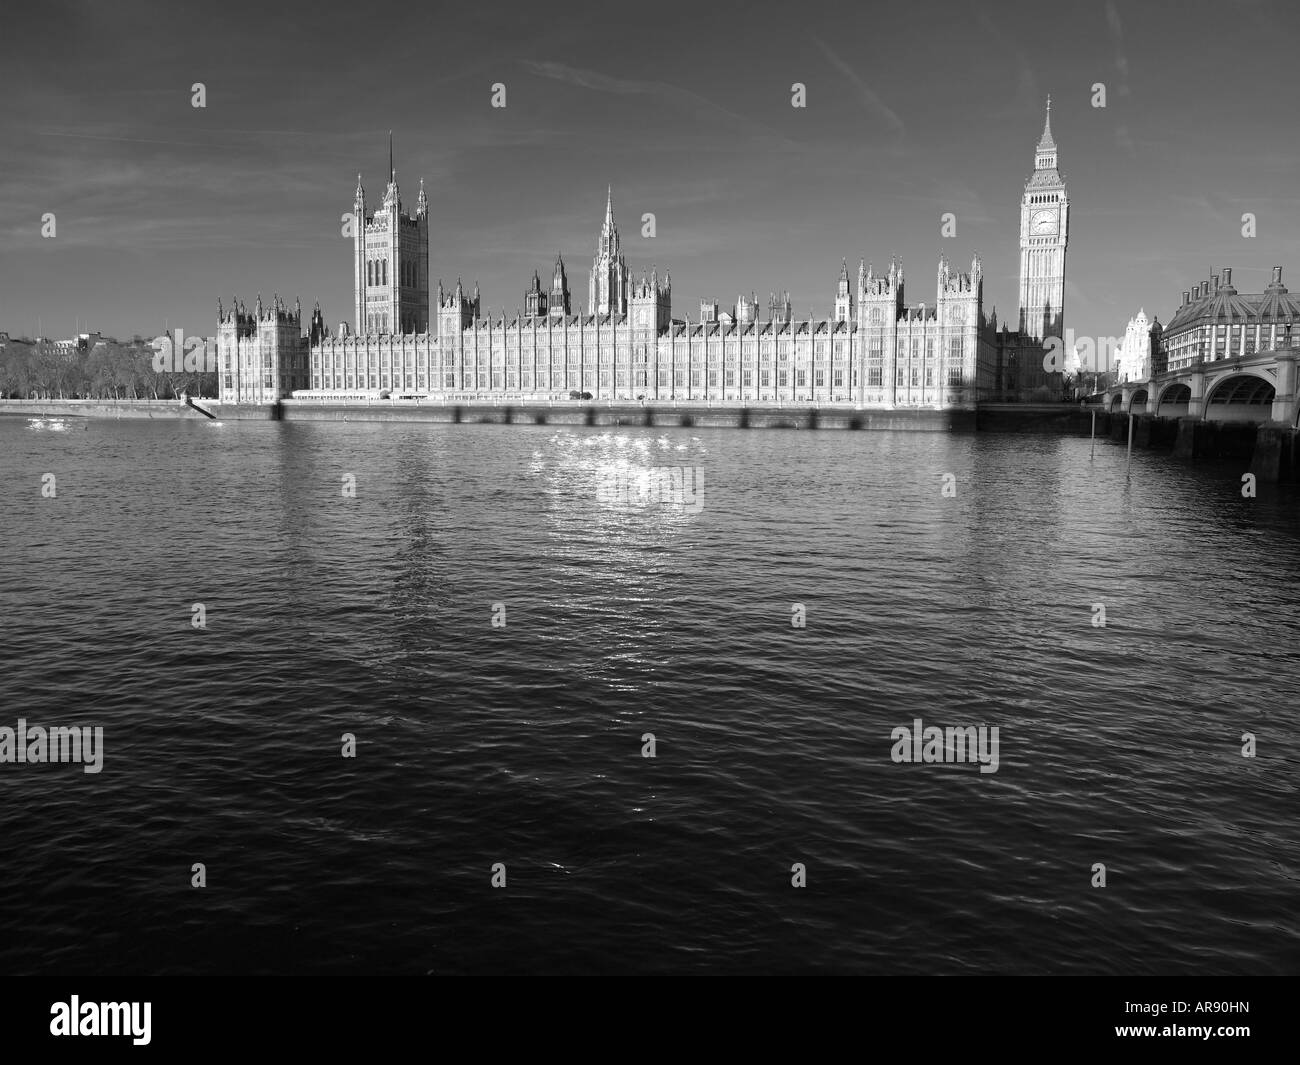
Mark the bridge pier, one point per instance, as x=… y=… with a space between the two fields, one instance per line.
x=1277 y=454
x=1284 y=397
x=1202 y=441
x=1196 y=404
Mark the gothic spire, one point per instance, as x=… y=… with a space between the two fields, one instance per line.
x=1046 y=143
x=422 y=202
x=607 y=243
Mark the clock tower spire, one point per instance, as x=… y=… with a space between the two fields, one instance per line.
x=1044 y=226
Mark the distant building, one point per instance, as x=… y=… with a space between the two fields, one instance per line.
x=874 y=350
x=1135 y=359
x=1214 y=321
x=81 y=344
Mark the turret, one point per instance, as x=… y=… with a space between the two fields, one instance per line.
x=535 y=299
x=319 y=331
x=560 y=298
x=843 y=300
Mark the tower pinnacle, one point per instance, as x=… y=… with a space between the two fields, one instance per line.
x=1046 y=143
x=607 y=288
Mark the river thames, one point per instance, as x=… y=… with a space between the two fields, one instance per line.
x=521 y=743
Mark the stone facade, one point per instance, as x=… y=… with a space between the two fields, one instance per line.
x=262 y=355
x=875 y=351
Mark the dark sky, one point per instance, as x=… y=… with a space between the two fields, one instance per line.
x=914 y=109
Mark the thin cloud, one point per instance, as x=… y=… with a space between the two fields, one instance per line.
x=1117 y=41
x=1027 y=93
x=591 y=79
x=875 y=106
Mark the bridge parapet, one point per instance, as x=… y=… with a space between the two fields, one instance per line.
x=1280 y=369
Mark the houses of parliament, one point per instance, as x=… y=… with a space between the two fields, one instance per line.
x=875 y=350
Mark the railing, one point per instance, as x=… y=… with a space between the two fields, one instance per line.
x=497 y=399
x=107 y=399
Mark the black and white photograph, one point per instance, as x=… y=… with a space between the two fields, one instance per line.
x=651 y=490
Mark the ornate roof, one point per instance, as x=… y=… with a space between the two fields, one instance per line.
x=1222 y=304
x=1048 y=178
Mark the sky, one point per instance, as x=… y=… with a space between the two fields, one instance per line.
x=913 y=110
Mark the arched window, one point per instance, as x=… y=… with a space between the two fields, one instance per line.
x=369 y=278
x=384 y=269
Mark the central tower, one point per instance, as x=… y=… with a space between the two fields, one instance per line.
x=1044 y=226
x=391 y=261
x=607 y=290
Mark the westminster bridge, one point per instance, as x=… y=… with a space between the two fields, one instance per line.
x=1250 y=388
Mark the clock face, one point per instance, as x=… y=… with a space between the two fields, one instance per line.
x=1043 y=223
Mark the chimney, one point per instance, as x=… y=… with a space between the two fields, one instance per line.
x=1216 y=283
x=1227 y=277
x=1277 y=275
x=1187 y=296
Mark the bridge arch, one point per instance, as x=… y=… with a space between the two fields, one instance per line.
x=1137 y=401
x=1240 y=397
x=1173 y=400
x=1117 y=401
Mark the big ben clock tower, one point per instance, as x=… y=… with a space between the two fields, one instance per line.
x=1044 y=224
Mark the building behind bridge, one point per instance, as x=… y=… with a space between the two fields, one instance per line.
x=1215 y=322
